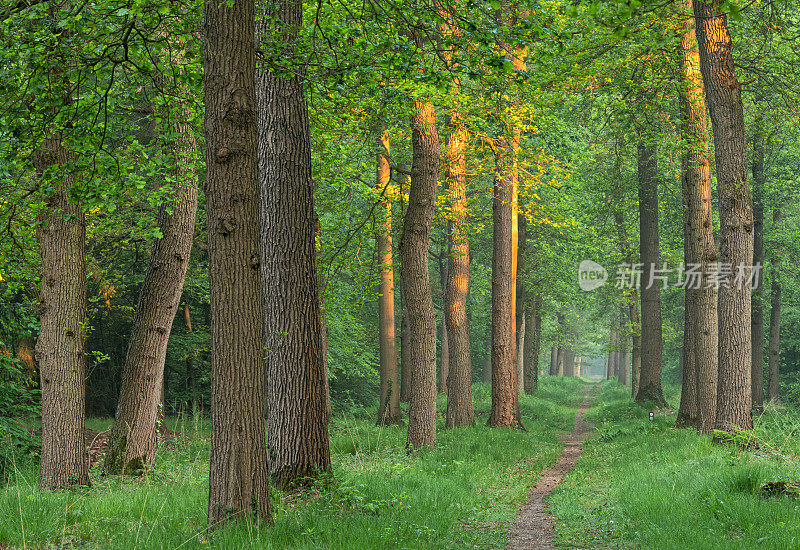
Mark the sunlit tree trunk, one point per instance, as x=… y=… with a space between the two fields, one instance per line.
x=724 y=100
x=238 y=475
x=699 y=375
x=297 y=396
x=389 y=409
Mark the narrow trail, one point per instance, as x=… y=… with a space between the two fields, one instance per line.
x=534 y=527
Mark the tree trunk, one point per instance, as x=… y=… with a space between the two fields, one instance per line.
x=505 y=399
x=724 y=99
x=60 y=347
x=560 y=362
x=132 y=444
x=487 y=365
x=757 y=299
x=569 y=360
x=297 y=397
x=405 y=349
x=444 y=353
x=416 y=283
x=647 y=386
x=389 y=409
x=520 y=300
x=610 y=364
x=553 y=371
x=459 y=382
x=533 y=342
x=699 y=376
x=623 y=365
x=775 y=319
x=238 y=478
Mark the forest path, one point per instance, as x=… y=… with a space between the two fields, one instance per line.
x=534 y=527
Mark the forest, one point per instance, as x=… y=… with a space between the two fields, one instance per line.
x=437 y=274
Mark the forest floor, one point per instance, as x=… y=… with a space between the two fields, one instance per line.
x=638 y=484
x=534 y=528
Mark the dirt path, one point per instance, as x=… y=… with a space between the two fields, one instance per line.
x=533 y=529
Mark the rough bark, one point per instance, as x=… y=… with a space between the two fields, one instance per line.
x=505 y=398
x=416 y=283
x=699 y=375
x=459 y=383
x=60 y=347
x=647 y=386
x=238 y=478
x=724 y=100
x=533 y=341
x=757 y=299
x=297 y=398
x=775 y=319
x=389 y=409
x=132 y=443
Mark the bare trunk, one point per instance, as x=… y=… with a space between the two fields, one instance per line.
x=297 y=396
x=647 y=385
x=699 y=376
x=533 y=342
x=775 y=319
x=389 y=409
x=487 y=365
x=416 y=283
x=757 y=299
x=444 y=353
x=553 y=371
x=724 y=100
x=459 y=383
x=238 y=478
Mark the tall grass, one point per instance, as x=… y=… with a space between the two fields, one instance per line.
x=460 y=494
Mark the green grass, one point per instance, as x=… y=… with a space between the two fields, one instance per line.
x=643 y=484
x=460 y=494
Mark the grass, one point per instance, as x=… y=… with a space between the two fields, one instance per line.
x=645 y=484
x=460 y=494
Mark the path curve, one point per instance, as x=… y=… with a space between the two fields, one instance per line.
x=534 y=527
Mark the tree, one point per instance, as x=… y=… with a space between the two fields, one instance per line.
x=699 y=376
x=756 y=304
x=459 y=382
x=238 y=478
x=132 y=443
x=60 y=347
x=297 y=397
x=414 y=273
x=389 y=406
x=775 y=320
x=724 y=100
x=648 y=385
x=532 y=344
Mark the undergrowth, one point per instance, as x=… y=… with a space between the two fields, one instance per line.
x=460 y=494
x=644 y=484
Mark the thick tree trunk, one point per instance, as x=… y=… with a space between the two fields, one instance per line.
x=757 y=299
x=699 y=375
x=238 y=478
x=505 y=398
x=647 y=386
x=459 y=383
x=297 y=396
x=775 y=319
x=560 y=361
x=416 y=283
x=533 y=341
x=724 y=99
x=569 y=360
x=132 y=444
x=389 y=409
x=553 y=370
x=60 y=347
